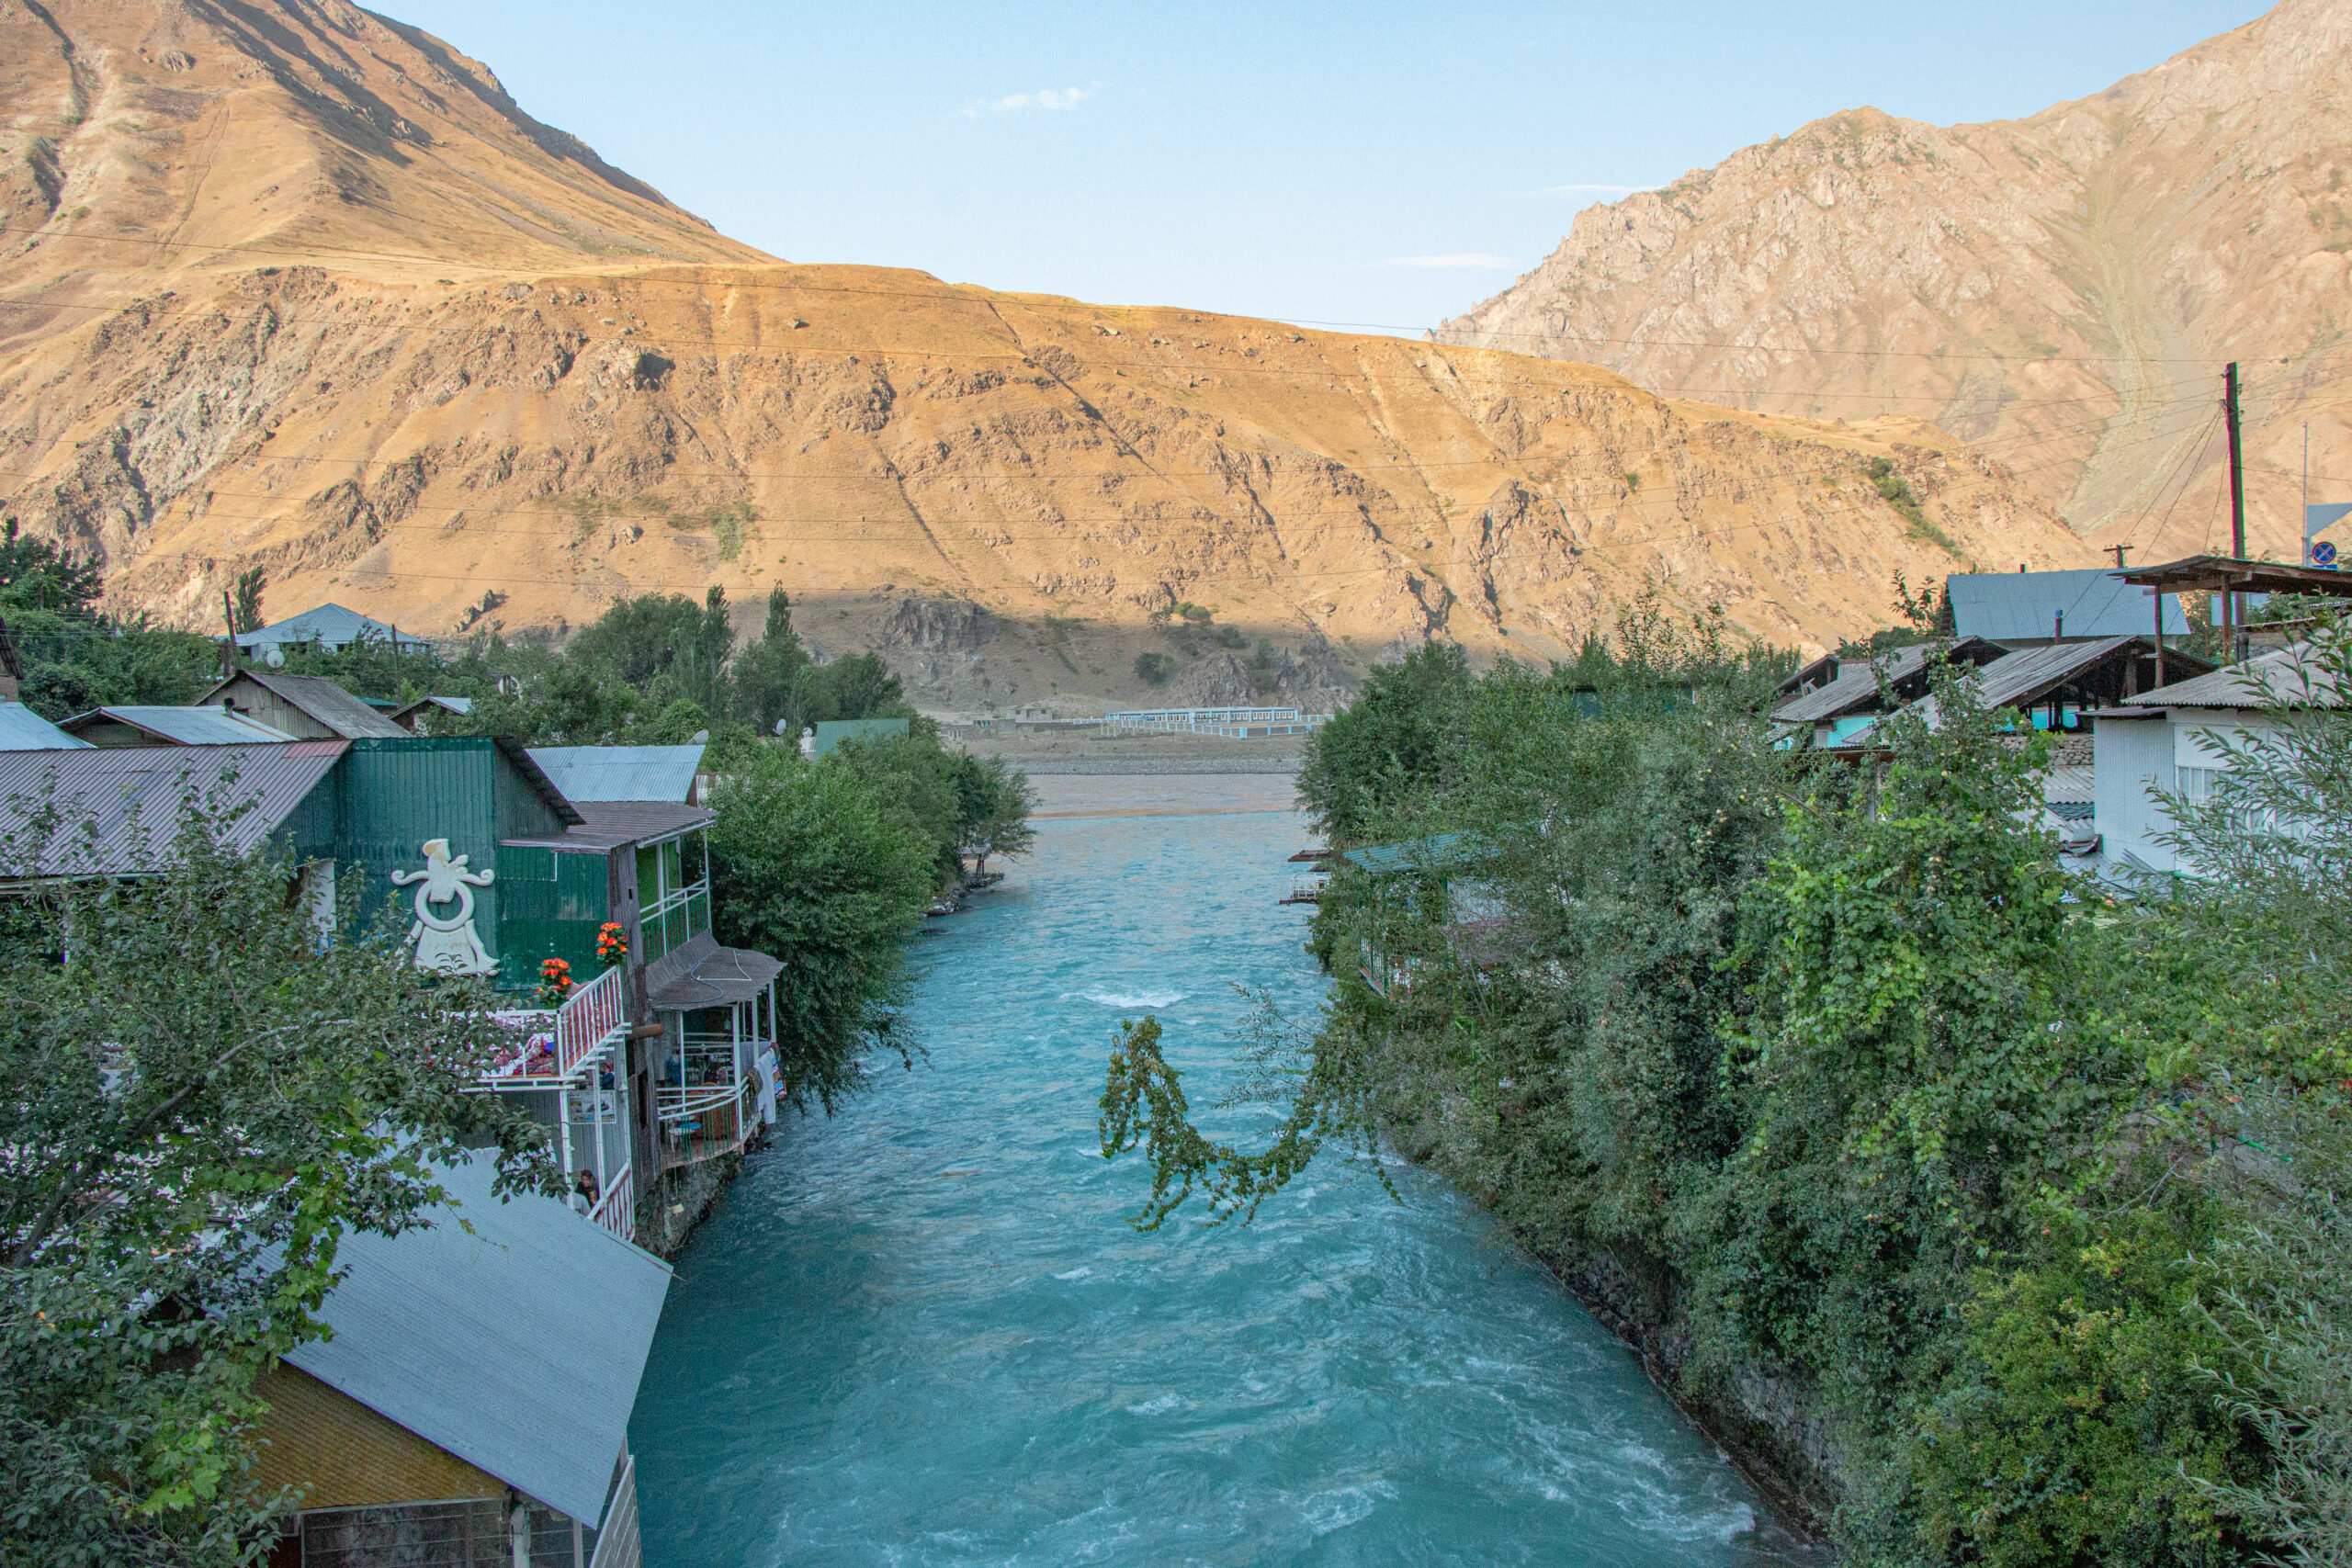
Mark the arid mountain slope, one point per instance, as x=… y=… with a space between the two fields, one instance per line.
x=2060 y=290
x=999 y=490
x=139 y=136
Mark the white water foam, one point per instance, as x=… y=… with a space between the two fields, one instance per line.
x=1131 y=998
x=1160 y=1406
x=1328 y=1511
x=1079 y=1273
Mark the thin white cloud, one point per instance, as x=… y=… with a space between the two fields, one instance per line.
x=1469 y=261
x=1044 y=98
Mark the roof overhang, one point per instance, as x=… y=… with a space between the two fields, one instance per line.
x=703 y=975
x=2240 y=574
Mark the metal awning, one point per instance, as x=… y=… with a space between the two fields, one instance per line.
x=703 y=975
x=2238 y=574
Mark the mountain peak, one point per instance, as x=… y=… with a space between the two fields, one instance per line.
x=2059 y=291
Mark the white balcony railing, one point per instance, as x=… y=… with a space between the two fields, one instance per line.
x=616 y=1210
x=591 y=1020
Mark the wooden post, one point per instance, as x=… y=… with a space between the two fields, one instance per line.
x=2159 y=597
x=2237 y=649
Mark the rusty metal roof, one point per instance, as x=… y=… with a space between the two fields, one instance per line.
x=110 y=811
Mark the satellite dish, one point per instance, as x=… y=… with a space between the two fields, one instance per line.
x=702 y=738
x=779 y=726
x=274 y=658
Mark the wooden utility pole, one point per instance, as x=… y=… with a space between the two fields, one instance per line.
x=2117 y=551
x=229 y=644
x=2237 y=501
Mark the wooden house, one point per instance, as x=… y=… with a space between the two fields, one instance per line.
x=472 y=1406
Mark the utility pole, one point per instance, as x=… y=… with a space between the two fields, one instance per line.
x=2117 y=551
x=228 y=644
x=2237 y=500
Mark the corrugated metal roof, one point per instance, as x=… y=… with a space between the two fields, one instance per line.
x=516 y=1347
x=2024 y=677
x=182 y=726
x=1440 y=851
x=402 y=713
x=1856 y=689
x=330 y=625
x=321 y=698
x=2025 y=605
x=620 y=773
x=606 y=824
x=703 y=975
x=114 y=805
x=21 y=729
x=834 y=731
x=2274 y=679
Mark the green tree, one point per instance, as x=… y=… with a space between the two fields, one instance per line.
x=1393 y=741
x=811 y=866
x=200 y=1090
x=770 y=674
x=244 y=613
x=993 y=803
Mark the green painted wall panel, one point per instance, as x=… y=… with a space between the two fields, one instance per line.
x=551 y=906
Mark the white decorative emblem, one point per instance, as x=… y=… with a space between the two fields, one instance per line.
x=449 y=945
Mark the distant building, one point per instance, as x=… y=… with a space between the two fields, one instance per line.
x=1830 y=699
x=2166 y=739
x=834 y=731
x=143 y=727
x=330 y=628
x=309 y=708
x=411 y=716
x=473 y=1405
x=2032 y=609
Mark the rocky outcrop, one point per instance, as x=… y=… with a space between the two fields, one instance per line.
x=2059 y=291
x=1311 y=677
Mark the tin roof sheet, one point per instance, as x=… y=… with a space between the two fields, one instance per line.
x=2024 y=677
x=1856 y=689
x=703 y=975
x=2025 y=605
x=621 y=772
x=608 y=824
x=2287 y=677
x=115 y=806
x=319 y=697
x=329 y=626
x=1440 y=851
x=182 y=726
x=21 y=729
x=517 y=1346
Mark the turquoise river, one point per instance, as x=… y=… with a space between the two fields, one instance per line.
x=919 y=1332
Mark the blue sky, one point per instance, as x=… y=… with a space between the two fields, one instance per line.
x=1379 y=167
